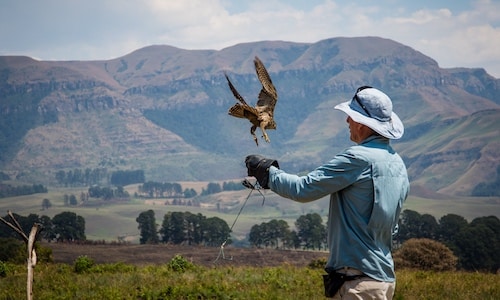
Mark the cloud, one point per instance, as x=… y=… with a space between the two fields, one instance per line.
x=455 y=34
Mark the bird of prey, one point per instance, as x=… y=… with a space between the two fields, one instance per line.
x=262 y=114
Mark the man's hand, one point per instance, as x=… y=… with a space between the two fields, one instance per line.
x=258 y=167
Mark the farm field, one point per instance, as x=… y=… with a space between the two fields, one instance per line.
x=145 y=272
x=111 y=221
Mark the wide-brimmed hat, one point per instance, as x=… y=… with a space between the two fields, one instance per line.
x=373 y=108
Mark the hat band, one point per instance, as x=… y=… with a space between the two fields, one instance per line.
x=358 y=106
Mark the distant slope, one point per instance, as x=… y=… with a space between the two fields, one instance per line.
x=465 y=149
x=164 y=110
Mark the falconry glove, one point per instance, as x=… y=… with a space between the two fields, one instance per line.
x=258 y=167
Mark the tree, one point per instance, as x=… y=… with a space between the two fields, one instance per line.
x=275 y=233
x=173 y=228
x=46 y=204
x=189 y=193
x=425 y=254
x=478 y=245
x=61 y=176
x=147 y=227
x=68 y=226
x=215 y=231
x=195 y=227
x=127 y=177
x=256 y=237
x=311 y=231
x=179 y=227
x=449 y=226
x=415 y=225
x=428 y=226
x=48 y=229
x=72 y=200
x=212 y=188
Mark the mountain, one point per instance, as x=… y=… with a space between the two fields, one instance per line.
x=164 y=110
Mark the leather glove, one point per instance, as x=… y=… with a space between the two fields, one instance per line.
x=258 y=167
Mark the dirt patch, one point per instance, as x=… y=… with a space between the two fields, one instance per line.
x=162 y=254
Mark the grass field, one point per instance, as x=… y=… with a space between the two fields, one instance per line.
x=123 y=281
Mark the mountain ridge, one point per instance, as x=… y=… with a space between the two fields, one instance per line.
x=164 y=109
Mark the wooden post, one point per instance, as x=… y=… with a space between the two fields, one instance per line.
x=30 y=246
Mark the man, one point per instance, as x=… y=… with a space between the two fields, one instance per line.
x=367 y=184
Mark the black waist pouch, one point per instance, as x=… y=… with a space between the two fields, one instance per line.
x=333 y=281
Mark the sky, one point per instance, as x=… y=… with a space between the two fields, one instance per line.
x=455 y=33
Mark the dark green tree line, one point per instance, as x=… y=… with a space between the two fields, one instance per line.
x=310 y=234
x=126 y=177
x=476 y=244
x=80 y=177
x=7 y=190
x=147 y=227
x=275 y=234
x=185 y=227
x=63 y=227
x=107 y=193
x=161 y=189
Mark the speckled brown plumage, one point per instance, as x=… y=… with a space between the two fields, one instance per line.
x=262 y=115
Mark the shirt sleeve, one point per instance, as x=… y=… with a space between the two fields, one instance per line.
x=343 y=170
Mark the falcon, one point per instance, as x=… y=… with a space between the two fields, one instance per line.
x=262 y=114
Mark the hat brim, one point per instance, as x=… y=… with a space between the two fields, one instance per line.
x=392 y=129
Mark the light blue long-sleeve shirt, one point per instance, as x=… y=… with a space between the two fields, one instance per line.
x=368 y=185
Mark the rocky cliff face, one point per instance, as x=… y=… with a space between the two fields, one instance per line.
x=164 y=109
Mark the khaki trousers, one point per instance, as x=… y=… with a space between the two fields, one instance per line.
x=365 y=288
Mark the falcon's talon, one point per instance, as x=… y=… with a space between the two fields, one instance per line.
x=262 y=114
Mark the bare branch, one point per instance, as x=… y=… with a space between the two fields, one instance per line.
x=19 y=231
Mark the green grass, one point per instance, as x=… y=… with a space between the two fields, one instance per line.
x=120 y=281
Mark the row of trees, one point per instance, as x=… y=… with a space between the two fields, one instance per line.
x=122 y=178
x=7 y=190
x=182 y=228
x=80 y=177
x=214 y=188
x=476 y=244
x=106 y=193
x=154 y=189
x=65 y=226
x=97 y=176
x=310 y=234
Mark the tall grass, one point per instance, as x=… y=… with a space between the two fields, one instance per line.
x=121 y=281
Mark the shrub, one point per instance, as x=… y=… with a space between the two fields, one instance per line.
x=44 y=254
x=4 y=269
x=83 y=264
x=425 y=254
x=319 y=263
x=12 y=250
x=118 y=267
x=180 y=264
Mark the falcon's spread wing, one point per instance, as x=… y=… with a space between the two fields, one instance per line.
x=262 y=114
x=242 y=109
x=268 y=95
